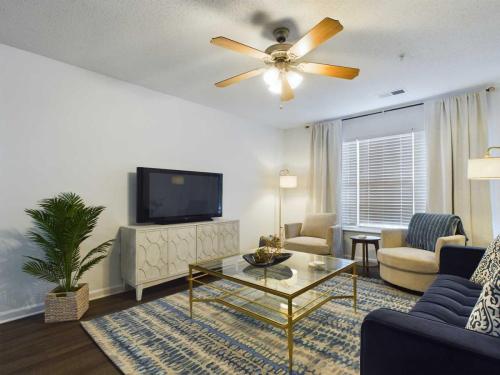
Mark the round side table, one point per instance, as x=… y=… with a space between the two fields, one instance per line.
x=364 y=241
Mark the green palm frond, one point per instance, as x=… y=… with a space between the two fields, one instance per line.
x=61 y=224
x=89 y=264
x=101 y=249
x=42 y=269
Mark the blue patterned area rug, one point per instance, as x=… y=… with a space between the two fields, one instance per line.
x=159 y=337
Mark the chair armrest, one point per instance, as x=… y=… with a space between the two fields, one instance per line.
x=460 y=260
x=393 y=237
x=393 y=342
x=457 y=239
x=330 y=234
x=292 y=230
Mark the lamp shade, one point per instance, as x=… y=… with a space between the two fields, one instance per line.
x=288 y=182
x=484 y=169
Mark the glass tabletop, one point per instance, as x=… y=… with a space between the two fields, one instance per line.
x=298 y=274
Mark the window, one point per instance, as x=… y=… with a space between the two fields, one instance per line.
x=383 y=180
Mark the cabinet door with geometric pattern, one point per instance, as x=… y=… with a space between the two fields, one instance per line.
x=229 y=239
x=181 y=249
x=151 y=255
x=207 y=242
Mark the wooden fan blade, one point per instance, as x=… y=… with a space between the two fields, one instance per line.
x=329 y=70
x=316 y=36
x=239 y=47
x=240 y=77
x=286 y=89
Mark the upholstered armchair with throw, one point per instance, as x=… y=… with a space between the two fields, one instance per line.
x=314 y=236
x=410 y=257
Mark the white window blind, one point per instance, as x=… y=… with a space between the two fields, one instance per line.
x=383 y=180
x=349 y=183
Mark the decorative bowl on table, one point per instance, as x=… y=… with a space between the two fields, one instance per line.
x=270 y=261
x=268 y=253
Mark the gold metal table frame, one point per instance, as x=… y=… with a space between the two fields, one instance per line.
x=236 y=299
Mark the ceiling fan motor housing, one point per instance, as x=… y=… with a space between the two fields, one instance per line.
x=279 y=52
x=281 y=34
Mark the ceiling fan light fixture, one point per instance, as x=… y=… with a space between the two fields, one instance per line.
x=294 y=79
x=275 y=88
x=272 y=76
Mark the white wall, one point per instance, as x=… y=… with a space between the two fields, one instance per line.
x=63 y=128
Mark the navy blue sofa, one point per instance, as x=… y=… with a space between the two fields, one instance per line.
x=431 y=338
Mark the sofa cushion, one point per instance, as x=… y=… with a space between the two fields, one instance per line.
x=409 y=259
x=489 y=264
x=316 y=225
x=305 y=244
x=450 y=299
x=485 y=316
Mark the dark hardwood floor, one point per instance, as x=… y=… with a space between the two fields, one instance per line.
x=29 y=346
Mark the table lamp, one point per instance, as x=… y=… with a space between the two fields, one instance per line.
x=486 y=168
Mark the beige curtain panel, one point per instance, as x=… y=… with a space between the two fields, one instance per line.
x=325 y=180
x=456 y=129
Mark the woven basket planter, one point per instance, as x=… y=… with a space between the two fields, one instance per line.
x=63 y=306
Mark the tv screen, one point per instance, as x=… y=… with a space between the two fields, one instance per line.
x=170 y=196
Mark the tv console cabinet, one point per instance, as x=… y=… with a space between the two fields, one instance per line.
x=154 y=254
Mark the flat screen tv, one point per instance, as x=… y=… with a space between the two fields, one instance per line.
x=170 y=196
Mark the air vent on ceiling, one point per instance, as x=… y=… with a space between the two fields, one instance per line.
x=392 y=93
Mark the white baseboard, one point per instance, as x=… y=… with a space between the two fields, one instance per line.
x=21 y=312
x=25 y=311
x=104 y=292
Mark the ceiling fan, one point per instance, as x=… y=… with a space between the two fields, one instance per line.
x=281 y=73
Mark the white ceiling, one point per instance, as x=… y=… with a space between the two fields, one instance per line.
x=164 y=45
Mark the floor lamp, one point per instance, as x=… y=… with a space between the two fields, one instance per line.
x=286 y=182
x=486 y=168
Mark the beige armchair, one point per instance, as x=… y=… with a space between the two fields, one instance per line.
x=408 y=267
x=314 y=236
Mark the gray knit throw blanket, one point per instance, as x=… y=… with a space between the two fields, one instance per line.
x=425 y=229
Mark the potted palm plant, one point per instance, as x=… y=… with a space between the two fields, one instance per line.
x=61 y=224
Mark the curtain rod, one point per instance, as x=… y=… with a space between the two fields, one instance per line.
x=384 y=111
x=489 y=89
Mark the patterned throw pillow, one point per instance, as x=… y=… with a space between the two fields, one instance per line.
x=489 y=264
x=485 y=316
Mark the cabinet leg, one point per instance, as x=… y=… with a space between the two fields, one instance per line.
x=138 y=293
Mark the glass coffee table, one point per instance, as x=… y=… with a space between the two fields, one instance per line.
x=280 y=295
